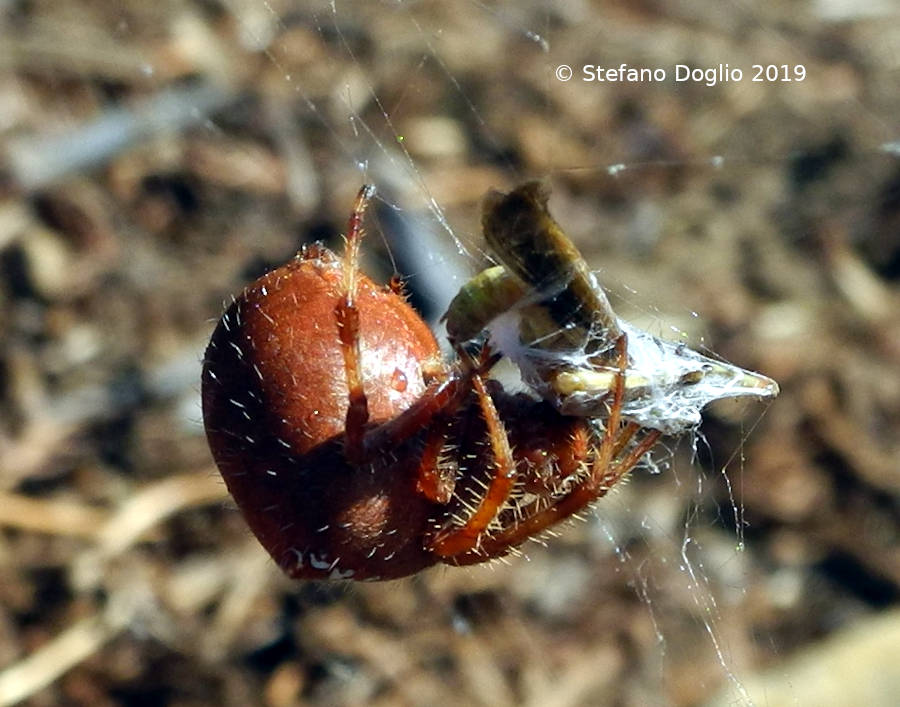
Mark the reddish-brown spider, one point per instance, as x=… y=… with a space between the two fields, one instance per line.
x=355 y=452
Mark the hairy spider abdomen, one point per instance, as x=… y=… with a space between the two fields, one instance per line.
x=275 y=401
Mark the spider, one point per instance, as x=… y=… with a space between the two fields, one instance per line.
x=356 y=452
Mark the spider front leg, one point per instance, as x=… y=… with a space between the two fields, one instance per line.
x=347 y=315
x=606 y=470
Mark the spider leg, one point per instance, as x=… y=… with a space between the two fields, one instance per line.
x=434 y=483
x=459 y=540
x=605 y=472
x=347 y=316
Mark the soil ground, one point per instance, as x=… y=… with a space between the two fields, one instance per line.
x=157 y=157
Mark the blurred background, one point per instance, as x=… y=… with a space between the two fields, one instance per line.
x=157 y=157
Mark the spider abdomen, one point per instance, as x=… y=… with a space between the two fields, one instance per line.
x=274 y=405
